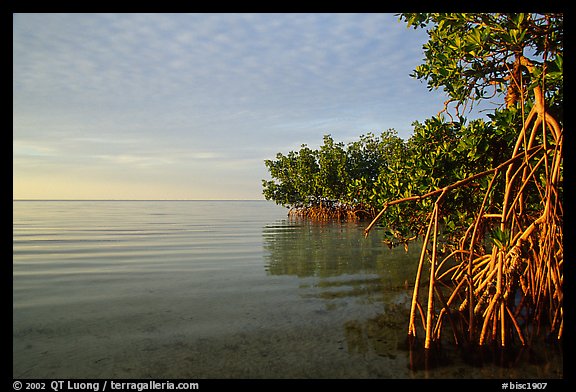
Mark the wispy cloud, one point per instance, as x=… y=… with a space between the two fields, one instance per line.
x=162 y=90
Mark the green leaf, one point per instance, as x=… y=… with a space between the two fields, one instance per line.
x=501 y=238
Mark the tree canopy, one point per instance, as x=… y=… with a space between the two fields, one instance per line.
x=334 y=180
x=484 y=195
x=478 y=56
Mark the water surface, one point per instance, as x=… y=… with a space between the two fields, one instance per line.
x=212 y=289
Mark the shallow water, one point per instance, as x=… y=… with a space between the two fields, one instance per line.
x=213 y=289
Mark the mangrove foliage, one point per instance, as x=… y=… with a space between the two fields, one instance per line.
x=483 y=195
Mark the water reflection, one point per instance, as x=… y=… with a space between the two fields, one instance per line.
x=337 y=264
x=303 y=248
x=366 y=288
x=383 y=335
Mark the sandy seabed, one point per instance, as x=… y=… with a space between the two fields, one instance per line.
x=171 y=345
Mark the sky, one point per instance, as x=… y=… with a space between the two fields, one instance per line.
x=188 y=106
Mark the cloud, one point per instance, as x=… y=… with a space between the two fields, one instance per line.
x=206 y=91
x=212 y=59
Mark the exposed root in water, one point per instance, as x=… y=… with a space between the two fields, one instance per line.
x=502 y=284
x=333 y=211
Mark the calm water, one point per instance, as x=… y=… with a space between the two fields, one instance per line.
x=212 y=289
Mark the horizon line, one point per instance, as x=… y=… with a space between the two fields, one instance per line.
x=140 y=200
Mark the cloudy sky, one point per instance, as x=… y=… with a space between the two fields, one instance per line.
x=188 y=106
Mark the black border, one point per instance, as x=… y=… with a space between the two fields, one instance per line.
x=11 y=6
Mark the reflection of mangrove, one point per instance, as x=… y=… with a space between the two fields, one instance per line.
x=345 y=288
x=385 y=336
x=303 y=248
x=382 y=335
x=546 y=358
